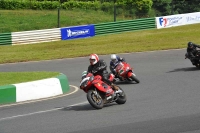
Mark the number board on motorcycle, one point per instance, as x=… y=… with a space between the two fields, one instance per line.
x=121 y=71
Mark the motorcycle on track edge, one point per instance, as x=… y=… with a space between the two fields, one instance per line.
x=99 y=93
x=125 y=72
x=195 y=60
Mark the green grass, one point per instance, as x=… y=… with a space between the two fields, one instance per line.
x=18 y=77
x=25 y=20
x=146 y=40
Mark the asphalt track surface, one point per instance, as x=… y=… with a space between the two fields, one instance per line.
x=166 y=101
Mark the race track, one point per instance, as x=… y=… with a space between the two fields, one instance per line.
x=166 y=101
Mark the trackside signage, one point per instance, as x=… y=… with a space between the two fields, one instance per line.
x=177 y=20
x=77 y=32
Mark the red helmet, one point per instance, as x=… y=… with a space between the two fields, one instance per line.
x=93 y=59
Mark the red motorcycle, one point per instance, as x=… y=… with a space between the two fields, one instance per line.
x=99 y=93
x=125 y=72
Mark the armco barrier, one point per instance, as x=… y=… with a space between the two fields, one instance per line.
x=34 y=89
x=5 y=39
x=36 y=36
x=122 y=26
x=48 y=35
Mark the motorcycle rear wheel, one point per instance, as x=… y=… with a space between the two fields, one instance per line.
x=95 y=101
x=122 y=97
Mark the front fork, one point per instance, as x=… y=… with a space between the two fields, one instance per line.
x=130 y=73
x=96 y=93
x=97 y=97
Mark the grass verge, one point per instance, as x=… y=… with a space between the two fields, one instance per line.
x=146 y=40
x=19 y=77
x=20 y=20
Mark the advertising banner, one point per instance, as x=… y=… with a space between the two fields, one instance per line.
x=77 y=32
x=177 y=20
x=192 y=18
x=169 y=21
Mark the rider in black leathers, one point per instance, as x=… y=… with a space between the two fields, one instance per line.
x=191 y=52
x=99 y=67
x=192 y=49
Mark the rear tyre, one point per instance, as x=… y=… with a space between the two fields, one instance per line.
x=95 y=100
x=197 y=66
x=122 y=97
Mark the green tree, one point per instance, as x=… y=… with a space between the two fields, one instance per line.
x=139 y=7
x=162 y=7
x=187 y=6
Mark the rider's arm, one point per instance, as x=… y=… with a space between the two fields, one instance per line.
x=120 y=58
x=89 y=69
x=102 y=65
x=112 y=69
x=190 y=55
x=111 y=66
x=198 y=46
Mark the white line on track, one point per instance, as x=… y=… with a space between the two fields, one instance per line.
x=40 y=112
x=44 y=111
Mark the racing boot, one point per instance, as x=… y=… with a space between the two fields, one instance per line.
x=114 y=87
x=121 y=78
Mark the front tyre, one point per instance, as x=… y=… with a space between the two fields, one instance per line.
x=135 y=79
x=95 y=99
x=122 y=97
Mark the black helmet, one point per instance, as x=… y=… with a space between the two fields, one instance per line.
x=190 y=44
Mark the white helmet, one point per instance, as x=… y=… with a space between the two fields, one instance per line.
x=93 y=59
x=113 y=58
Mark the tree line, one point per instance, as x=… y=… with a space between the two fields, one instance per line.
x=141 y=8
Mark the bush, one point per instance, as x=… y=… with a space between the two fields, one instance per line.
x=125 y=7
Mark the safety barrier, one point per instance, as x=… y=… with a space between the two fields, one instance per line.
x=5 y=39
x=34 y=90
x=48 y=35
x=36 y=36
x=122 y=26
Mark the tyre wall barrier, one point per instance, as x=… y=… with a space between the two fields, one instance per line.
x=5 y=39
x=34 y=90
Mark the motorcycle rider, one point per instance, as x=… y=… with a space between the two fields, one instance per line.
x=191 y=51
x=115 y=59
x=98 y=67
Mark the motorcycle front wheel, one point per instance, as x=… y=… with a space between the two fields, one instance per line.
x=95 y=99
x=122 y=97
x=135 y=79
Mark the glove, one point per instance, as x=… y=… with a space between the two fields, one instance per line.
x=122 y=59
x=114 y=71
